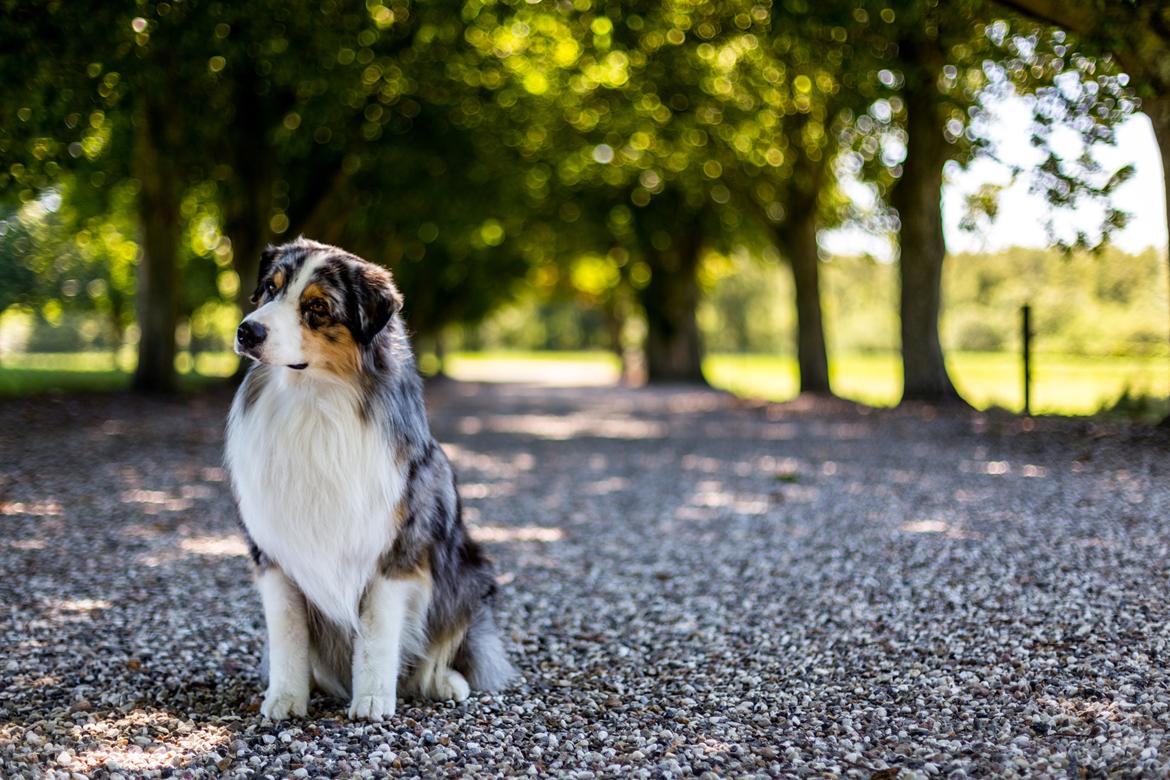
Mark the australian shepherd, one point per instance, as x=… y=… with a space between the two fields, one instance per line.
x=365 y=569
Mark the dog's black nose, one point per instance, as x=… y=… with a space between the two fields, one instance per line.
x=250 y=334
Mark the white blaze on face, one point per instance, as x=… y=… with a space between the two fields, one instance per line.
x=281 y=318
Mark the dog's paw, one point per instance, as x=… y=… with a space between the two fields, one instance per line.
x=450 y=685
x=279 y=705
x=372 y=706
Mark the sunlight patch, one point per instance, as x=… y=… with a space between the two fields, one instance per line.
x=170 y=747
x=561 y=428
x=606 y=486
x=218 y=546
x=948 y=530
x=925 y=526
x=156 y=500
x=526 y=533
x=80 y=605
x=35 y=509
x=712 y=495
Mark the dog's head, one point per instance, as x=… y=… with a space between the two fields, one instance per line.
x=317 y=307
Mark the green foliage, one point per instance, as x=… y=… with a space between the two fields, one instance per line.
x=60 y=259
x=540 y=157
x=1136 y=406
x=1112 y=304
x=740 y=311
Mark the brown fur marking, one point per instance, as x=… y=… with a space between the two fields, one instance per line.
x=420 y=570
x=329 y=345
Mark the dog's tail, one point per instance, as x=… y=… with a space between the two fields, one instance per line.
x=484 y=661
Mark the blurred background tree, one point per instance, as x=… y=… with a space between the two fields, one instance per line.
x=624 y=175
x=1137 y=36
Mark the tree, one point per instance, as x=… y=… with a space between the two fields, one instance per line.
x=94 y=93
x=916 y=197
x=798 y=242
x=1137 y=35
x=276 y=117
x=619 y=113
x=670 y=231
x=952 y=58
x=799 y=97
x=300 y=98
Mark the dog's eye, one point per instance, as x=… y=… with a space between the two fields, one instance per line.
x=269 y=288
x=317 y=307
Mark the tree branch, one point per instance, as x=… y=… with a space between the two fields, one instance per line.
x=1073 y=16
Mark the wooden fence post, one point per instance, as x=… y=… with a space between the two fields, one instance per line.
x=1026 y=332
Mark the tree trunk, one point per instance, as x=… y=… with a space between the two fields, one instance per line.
x=613 y=334
x=249 y=236
x=1158 y=110
x=673 y=349
x=799 y=241
x=158 y=283
x=917 y=197
x=249 y=206
x=247 y=227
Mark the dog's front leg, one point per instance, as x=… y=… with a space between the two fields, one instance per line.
x=288 y=645
x=377 y=650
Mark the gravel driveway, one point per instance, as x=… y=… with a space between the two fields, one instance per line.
x=691 y=584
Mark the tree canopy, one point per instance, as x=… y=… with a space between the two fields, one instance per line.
x=594 y=152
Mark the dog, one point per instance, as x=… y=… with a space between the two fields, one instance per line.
x=365 y=569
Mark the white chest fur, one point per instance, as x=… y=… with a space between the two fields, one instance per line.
x=317 y=487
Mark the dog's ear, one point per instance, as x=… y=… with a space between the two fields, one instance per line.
x=375 y=301
x=267 y=258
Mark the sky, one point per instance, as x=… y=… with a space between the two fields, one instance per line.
x=1022 y=216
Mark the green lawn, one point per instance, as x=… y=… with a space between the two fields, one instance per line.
x=34 y=373
x=1062 y=384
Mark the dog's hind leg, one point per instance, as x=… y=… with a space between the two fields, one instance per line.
x=481 y=657
x=331 y=655
x=434 y=676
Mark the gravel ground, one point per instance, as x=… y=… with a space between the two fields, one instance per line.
x=692 y=585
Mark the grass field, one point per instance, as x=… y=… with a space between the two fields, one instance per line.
x=1062 y=384
x=58 y=372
